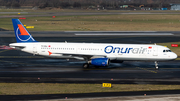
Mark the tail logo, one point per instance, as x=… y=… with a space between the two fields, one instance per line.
x=22 y=34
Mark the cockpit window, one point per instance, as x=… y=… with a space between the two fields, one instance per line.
x=166 y=50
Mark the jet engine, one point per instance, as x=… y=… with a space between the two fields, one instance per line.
x=100 y=61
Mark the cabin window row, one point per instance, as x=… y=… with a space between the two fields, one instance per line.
x=60 y=48
x=90 y=49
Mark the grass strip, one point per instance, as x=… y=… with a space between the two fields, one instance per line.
x=85 y=10
x=156 y=22
x=59 y=88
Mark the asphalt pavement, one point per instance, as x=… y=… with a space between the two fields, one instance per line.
x=20 y=67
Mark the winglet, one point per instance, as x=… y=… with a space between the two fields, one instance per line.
x=21 y=33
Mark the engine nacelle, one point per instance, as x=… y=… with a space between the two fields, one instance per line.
x=100 y=61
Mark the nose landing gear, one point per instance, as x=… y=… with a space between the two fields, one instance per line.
x=156 y=65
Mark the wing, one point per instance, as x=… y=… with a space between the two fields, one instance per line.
x=85 y=56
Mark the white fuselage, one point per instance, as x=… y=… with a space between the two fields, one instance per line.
x=112 y=51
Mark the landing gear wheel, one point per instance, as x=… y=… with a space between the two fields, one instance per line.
x=86 y=65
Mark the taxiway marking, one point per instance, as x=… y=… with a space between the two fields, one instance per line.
x=146 y=70
x=24 y=63
x=5 y=50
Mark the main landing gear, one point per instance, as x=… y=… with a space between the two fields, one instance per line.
x=85 y=65
x=156 y=65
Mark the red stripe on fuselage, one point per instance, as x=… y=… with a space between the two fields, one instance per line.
x=49 y=53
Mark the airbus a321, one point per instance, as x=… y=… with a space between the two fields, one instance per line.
x=93 y=53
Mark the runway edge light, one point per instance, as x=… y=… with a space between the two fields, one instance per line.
x=107 y=85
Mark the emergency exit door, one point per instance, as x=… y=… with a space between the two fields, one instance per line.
x=34 y=49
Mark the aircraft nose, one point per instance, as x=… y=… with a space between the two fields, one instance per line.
x=174 y=56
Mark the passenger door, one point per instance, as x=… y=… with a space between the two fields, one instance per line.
x=155 y=51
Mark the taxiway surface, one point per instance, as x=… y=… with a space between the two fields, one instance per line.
x=20 y=67
x=17 y=66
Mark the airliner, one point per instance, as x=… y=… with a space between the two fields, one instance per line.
x=96 y=54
